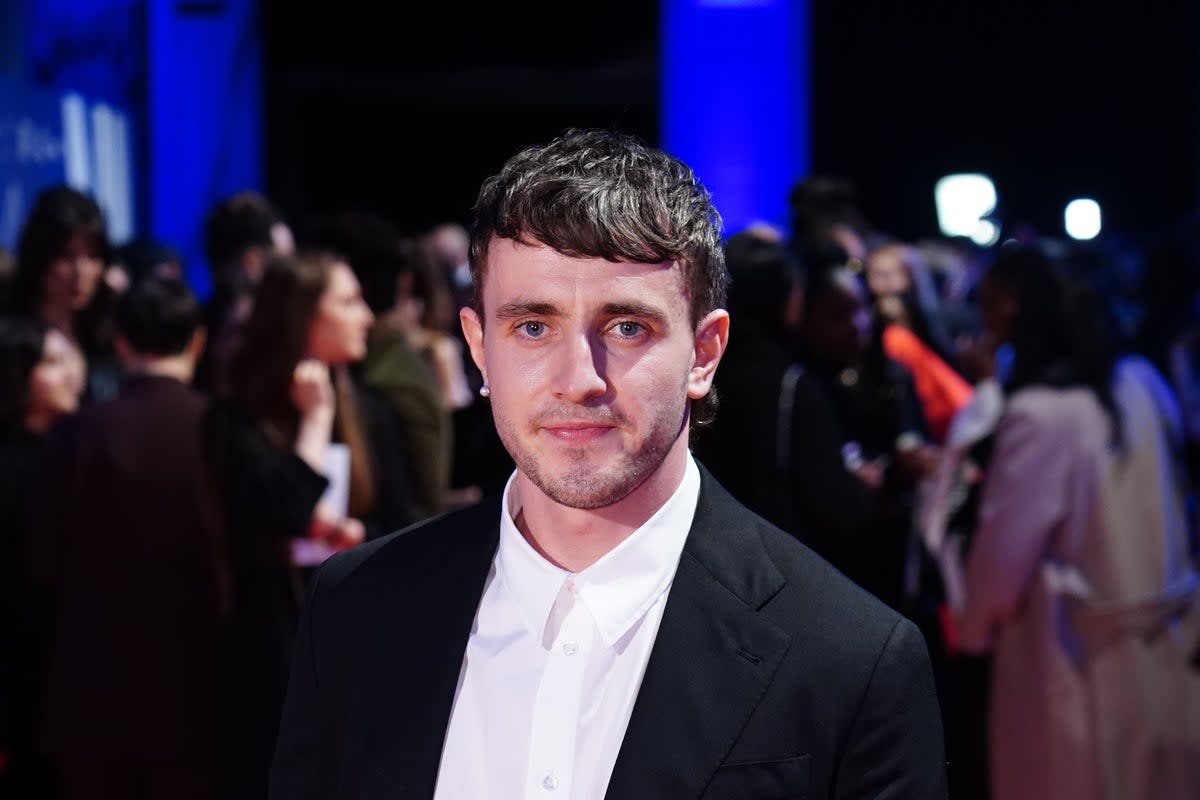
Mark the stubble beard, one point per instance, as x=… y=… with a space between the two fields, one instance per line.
x=582 y=485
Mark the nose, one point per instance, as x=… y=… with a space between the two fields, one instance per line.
x=580 y=371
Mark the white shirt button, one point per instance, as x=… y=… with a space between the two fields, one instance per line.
x=570 y=648
x=549 y=783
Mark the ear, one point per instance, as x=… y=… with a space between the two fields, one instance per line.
x=712 y=336
x=473 y=331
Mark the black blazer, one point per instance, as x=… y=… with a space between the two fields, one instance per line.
x=772 y=675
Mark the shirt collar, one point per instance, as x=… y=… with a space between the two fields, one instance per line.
x=621 y=586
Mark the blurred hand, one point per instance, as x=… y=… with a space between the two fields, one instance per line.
x=871 y=473
x=347 y=533
x=977 y=356
x=918 y=462
x=339 y=534
x=312 y=388
x=972 y=473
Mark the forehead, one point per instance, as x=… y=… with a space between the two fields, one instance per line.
x=81 y=243
x=534 y=271
x=341 y=279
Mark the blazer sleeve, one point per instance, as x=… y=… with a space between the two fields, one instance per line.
x=304 y=765
x=895 y=746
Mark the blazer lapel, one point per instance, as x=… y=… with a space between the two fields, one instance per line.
x=414 y=667
x=712 y=660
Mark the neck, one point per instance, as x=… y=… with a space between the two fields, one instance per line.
x=574 y=538
x=62 y=319
x=180 y=367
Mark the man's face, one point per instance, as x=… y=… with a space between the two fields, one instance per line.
x=840 y=324
x=590 y=364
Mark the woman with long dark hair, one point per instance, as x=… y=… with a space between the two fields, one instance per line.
x=1079 y=578
x=63 y=255
x=293 y=402
x=41 y=378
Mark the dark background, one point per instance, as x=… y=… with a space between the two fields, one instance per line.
x=407 y=112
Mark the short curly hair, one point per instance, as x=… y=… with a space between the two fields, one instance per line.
x=600 y=194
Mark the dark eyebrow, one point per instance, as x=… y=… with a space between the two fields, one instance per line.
x=526 y=308
x=634 y=309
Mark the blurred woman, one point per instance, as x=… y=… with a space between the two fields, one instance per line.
x=41 y=378
x=908 y=329
x=293 y=398
x=1079 y=578
x=62 y=267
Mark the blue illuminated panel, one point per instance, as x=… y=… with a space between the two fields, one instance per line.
x=735 y=100
x=205 y=116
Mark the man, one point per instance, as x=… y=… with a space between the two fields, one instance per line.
x=241 y=233
x=777 y=443
x=615 y=624
x=127 y=537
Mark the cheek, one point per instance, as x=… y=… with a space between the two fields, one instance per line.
x=45 y=385
x=57 y=282
x=658 y=377
x=38 y=388
x=90 y=271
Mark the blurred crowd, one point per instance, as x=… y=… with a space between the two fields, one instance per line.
x=171 y=472
x=1001 y=443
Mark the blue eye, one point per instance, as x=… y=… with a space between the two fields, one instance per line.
x=629 y=329
x=533 y=328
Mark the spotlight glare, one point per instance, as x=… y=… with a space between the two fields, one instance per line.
x=962 y=201
x=1082 y=219
x=986 y=233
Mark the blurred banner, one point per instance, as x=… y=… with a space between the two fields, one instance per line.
x=49 y=138
x=152 y=106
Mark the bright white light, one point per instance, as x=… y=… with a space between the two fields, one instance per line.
x=1082 y=218
x=986 y=233
x=962 y=200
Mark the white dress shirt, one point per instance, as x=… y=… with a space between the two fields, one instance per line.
x=555 y=660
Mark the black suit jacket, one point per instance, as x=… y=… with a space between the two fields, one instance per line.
x=772 y=675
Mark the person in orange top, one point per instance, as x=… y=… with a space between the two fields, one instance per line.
x=894 y=275
x=940 y=389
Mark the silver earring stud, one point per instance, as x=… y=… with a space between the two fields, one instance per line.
x=484 y=391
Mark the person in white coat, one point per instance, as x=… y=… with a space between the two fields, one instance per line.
x=1079 y=578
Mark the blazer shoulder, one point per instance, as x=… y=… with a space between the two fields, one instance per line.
x=412 y=549
x=819 y=604
x=813 y=597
